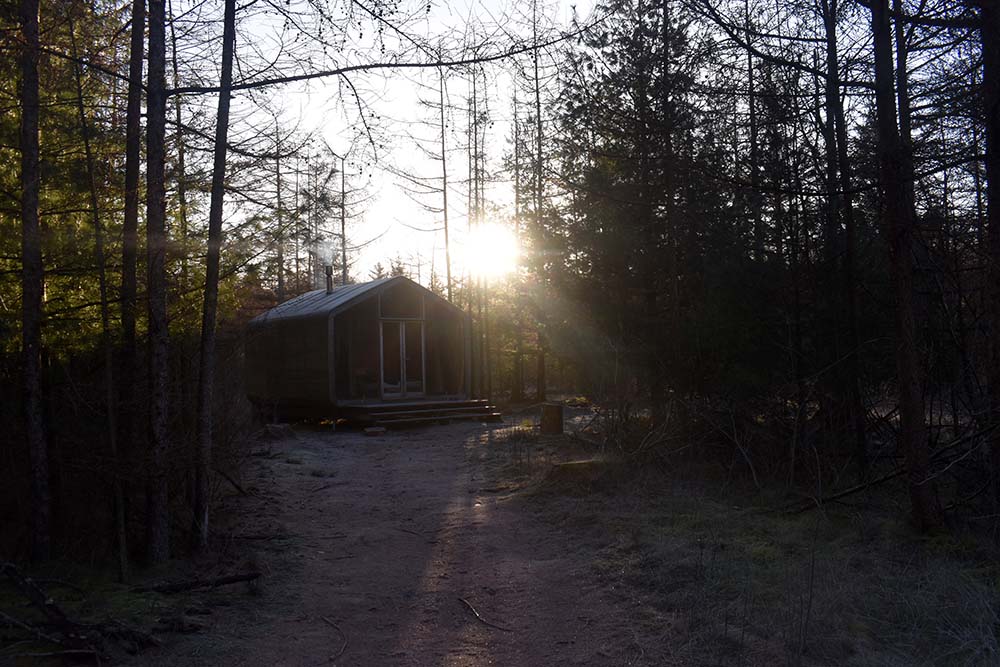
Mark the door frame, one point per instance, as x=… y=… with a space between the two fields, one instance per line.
x=402 y=393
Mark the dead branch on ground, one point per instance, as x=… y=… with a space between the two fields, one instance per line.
x=191 y=584
x=343 y=635
x=233 y=482
x=481 y=619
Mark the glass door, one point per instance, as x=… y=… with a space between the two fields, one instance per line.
x=413 y=358
x=402 y=358
x=392 y=359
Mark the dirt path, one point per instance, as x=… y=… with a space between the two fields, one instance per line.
x=382 y=537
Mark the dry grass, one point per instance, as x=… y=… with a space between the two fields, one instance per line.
x=760 y=588
x=719 y=581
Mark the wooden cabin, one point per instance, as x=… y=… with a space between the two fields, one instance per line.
x=389 y=345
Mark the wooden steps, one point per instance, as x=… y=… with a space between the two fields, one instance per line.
x=404 y=421
x=423 y=413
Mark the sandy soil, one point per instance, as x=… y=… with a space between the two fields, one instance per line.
x=370 y=543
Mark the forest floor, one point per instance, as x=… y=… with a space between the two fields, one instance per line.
x=372 y=546
x=375 y=551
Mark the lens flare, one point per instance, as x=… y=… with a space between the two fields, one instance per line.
x=491 y=251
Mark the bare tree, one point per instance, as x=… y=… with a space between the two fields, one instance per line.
x=517 y=381
x=990 y=37
x=841 y=167
x=898 y=220
x=110 y=402
x=279 y=212
x=32 y=285
x=182 y=185
x=206 y=375
x=158 y=520
x=539 y=167
x=444 y=183
x=130 y=225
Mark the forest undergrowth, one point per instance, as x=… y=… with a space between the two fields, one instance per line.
x=727 y=574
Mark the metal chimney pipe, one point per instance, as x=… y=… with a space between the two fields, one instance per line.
x=329 y=279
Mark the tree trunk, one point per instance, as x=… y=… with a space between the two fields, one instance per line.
x=482 y=281
x=898 y=219
x=279 y=212
x=798 y=354
x=902 y=77
x=470 y=216
x=486 y=339
x=540 y=394
x=182 y=199
x=852 y=372
x=158 y=520
x=111 y=407
x=297 y=230
x=477 y=208
x=990 y=37
x=32 y=277
x=343 y=222
x=668 y=345
x=832 y=396
x=444 y=188
x=130 y=227
x=517 y=382
x=977 y=181
x=206 y=375
x=757 y=229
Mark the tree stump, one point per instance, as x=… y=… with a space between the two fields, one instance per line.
x=552 y=419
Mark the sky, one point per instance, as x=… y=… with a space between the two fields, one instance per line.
x=387 y=223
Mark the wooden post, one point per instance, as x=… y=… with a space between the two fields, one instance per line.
x=552 y=419
x=467 y=336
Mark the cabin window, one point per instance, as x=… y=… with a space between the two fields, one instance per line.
x=404 y=301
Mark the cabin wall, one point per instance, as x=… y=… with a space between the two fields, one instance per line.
x=356 y=354
x=288 y=362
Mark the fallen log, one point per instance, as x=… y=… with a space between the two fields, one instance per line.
x=892 y=474
x=192 y=584
x=12 y=622
x=75 y=637
x=40 y=600
x=67 y=653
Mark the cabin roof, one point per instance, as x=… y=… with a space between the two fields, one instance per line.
x=323 y=304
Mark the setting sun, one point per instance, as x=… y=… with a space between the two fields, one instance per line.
x=492 y=251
